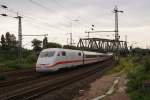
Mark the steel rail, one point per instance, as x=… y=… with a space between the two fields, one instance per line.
x=28 y=93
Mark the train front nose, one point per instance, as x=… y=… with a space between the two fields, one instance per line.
x=45 y=61
x=44 y=65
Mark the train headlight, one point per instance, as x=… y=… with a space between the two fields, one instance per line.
x=48 y=65
x=38 y=65
x=43 y=65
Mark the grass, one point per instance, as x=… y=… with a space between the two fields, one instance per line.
x=9 y=60
x=137 y=69
x=9 y=66
x=125 y=65
x=136 y=77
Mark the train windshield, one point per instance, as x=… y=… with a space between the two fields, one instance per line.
x=47 y=54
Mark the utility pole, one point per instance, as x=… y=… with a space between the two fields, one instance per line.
x=70 y=39
x=126 y=38
x=67 y=41
x=71 y=42
x=88 y=35
x=19 y=38
x=19 y=34
x=117 y=37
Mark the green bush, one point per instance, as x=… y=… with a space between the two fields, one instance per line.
x=124 y=65
x=31 y=59
x=136 y=77
x=12 y=64
x=9 y=59
x=138 y=70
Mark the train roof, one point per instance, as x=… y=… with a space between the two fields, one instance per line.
x=58 y=49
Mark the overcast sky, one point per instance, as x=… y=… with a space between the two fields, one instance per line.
x=57 y=18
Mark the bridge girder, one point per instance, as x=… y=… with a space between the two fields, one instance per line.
x=102 y=45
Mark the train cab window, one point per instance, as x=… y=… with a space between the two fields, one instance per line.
x=47 y=54
x=50 y=54
x=63 y=53
x=79 y=53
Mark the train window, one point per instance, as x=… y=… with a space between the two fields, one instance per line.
x=50 y=54
x=47 y=54
x=79 y=53
x=63 y=53
x=58 y=54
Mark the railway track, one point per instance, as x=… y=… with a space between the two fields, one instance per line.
x=12 y=75
x=51 y=83
x=16 y=77
x=16 y=72
x=18 y=80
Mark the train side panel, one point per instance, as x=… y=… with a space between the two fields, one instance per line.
x=56 y=58
x=90 y=57
x=68 y=58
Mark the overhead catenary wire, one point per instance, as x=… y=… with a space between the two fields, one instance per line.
x=12 y=11
x=44 y=7
x=37 y=23
x=60 y=5
x=35 y=19
x=81 y=20
x=48 y=9
x=43 y=23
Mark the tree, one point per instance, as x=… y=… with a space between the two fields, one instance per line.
x=8 y=40
x=13 y=42
x=53 y=45
x=45 y=41
x=36 y=45
x=3 y=42
x=69 y=47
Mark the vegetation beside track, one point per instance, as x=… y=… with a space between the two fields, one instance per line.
x=9 y=60
x=9 y=52
x=137 y=76
x=137 y=68
x=136 y=65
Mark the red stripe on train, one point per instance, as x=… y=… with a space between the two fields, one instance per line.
x=66 y=62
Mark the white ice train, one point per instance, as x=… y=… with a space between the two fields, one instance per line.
x=53 y=59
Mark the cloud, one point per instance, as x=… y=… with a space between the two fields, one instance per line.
x=54 y=17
